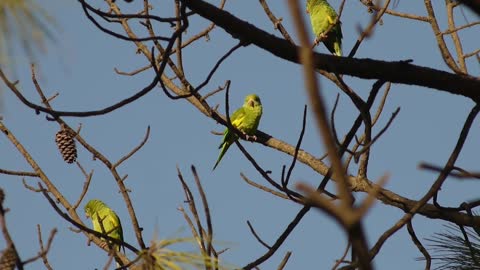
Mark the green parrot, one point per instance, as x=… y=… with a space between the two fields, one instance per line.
x=245 y=119
x=99 y=211
x=322 y=17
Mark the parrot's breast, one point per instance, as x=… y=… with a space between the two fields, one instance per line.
x=250 y=121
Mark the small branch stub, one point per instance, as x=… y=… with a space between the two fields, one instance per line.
x=66 y=145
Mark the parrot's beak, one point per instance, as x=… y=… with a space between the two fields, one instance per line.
x=251 y=103
x=307 y=11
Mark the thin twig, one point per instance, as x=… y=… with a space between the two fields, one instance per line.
x=418 y=244
x=368 y=30
x=252 y=230
x=284 y=261
x=193 y=209
x=456 y=172
x=297 y=148
x=291 y=226
x=43 y=249
x=18 y=173
x=264 y=188
x=135 y=72
x=341 y=260
x=86 y=184
x=277 y=23
x=206 y=210
x=134 y=150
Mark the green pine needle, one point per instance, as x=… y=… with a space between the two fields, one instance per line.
x=450 y=250
x=23 y=24
x=160 y=256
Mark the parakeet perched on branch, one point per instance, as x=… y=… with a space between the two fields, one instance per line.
x=322 y=17
x=100 y=212
x=245 y=119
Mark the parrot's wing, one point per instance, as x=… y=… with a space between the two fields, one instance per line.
x=237 y=117
x=111 y=223
x=332 y=16
x=340 y=35
x=229 y=136
x=113 y=226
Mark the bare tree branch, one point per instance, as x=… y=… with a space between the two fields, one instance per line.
x=395 y=72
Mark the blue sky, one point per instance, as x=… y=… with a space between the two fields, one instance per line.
x=79 y=65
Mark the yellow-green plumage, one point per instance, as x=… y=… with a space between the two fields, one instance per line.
x=322 y=17
x=245 y=119
x=100 y=212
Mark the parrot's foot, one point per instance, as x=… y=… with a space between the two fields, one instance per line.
x=252 y=138
x=320 y=38
x=103 y=244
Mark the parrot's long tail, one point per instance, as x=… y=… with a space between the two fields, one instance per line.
x=225 y=147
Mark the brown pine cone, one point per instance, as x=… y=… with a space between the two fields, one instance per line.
x=8 y=259
x=66 y=144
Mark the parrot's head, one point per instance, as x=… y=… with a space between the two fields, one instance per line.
x=92 y=206
x=252 y=101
